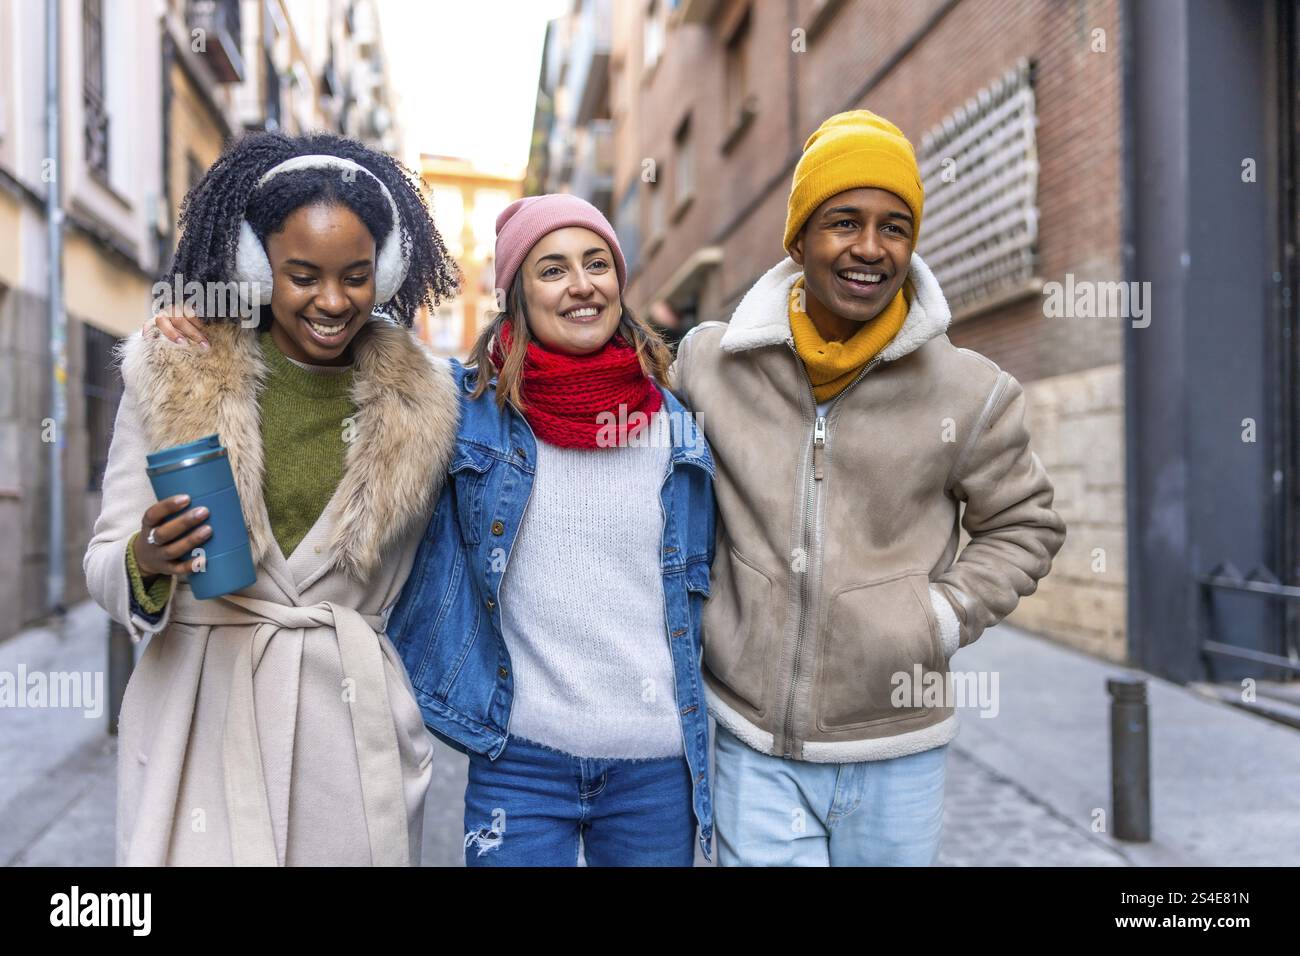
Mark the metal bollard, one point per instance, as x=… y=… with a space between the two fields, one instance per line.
x=1130 y=760
x=121 y=661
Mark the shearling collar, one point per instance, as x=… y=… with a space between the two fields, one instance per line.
x=405 y=428
x=763 y=317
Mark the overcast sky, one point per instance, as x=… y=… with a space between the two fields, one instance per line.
x=465 y=74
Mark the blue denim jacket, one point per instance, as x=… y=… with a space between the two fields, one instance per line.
x=446 y=623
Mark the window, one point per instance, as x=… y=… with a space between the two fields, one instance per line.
x=449 y=216
x=103 y=391
x=654 y=35
x=488 y=204
x=194 y=170
x=92 y=86
x=980 y=169
x=448 y=326
x=737 y=85
x=271 y=102
x=627 y=225
x=683 y=165
x=487 y=279
x=657 y=216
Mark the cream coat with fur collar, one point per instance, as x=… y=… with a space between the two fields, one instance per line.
x=277 y=725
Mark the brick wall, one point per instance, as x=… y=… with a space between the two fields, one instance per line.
x=741 y=192
x=921 y=60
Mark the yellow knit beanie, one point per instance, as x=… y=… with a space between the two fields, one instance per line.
x=854 y=150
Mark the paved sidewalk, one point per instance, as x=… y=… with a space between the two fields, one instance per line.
x=1225 y=784
x=1023 y=787
x=57 y=791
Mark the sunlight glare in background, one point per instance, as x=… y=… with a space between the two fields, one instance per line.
x=465 y=75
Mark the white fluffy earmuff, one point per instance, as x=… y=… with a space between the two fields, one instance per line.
x=253 y=268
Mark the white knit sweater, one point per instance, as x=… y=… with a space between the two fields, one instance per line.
x=582 y=607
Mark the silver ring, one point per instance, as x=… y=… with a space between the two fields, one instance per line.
x=150 y=538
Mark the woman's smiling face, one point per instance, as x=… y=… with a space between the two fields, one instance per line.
x=323 y=269
x=571 y=288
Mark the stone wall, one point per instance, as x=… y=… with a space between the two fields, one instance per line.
x=25 y=403
x=1076 y=424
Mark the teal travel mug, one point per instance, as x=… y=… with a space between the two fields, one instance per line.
x=201 y=469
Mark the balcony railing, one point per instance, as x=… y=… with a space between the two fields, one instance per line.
x=588 y=74
x=593 y=166
x=221 y=39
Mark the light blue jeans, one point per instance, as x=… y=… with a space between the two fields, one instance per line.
x=770 y=811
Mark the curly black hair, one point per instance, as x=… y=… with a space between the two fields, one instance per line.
x=228 y=193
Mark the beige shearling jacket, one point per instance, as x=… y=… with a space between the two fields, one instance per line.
x=837 y=581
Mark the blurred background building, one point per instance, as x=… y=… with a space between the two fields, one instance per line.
x=712 y=102
x=573 y=131
x=1135 y=159
x=466 y=199
x=148 y=94
x=1143 y=152
x=1086 y=143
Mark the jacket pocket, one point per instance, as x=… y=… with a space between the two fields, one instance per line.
x=697 y=579
x=469 y=474
x=876 y=637
x=737 y=628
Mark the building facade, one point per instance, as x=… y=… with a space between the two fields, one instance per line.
x=106 y=179
x=465 y=200
x=573 y=132
x=1031 y=120
x=711 y=104
x=148 y=96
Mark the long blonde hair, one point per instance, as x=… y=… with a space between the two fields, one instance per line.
x=652 y=351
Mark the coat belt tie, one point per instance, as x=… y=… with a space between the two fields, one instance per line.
x=378 y=757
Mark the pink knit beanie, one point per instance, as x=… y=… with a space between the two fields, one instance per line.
x=525 y=221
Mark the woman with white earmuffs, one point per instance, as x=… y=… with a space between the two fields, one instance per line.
x=275 y=725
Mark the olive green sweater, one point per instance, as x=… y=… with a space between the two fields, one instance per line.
x=306 y=423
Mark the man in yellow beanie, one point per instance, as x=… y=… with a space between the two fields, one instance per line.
x=848 y=433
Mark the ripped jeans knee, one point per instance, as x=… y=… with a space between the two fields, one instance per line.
x=484 y=838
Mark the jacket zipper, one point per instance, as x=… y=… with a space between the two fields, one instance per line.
x=815 y=475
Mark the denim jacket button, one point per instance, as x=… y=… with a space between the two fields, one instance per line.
x=502 y=673
x=498 y=528
x=490 y=604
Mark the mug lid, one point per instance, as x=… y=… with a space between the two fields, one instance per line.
x=178 y=453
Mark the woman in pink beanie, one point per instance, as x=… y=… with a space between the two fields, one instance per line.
x=551 y=622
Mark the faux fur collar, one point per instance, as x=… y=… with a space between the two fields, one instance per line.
x=405 y=428
x=763 y=317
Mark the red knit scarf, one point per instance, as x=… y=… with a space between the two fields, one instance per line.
x=564 y=394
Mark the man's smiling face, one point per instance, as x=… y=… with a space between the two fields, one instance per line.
x=855 y=250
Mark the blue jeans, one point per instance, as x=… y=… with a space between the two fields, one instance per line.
x=770 y=811
x=533 y=804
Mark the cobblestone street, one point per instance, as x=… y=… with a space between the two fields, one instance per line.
x=988 y=821
x=1006 y=803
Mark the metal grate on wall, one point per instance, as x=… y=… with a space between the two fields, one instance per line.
x=980 y=170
